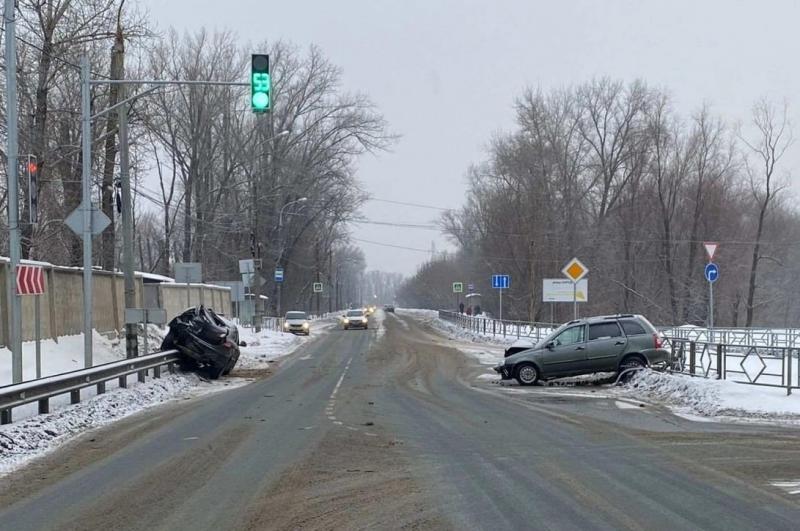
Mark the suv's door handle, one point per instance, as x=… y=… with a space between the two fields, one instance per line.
x=619 y=343
x=580 y=348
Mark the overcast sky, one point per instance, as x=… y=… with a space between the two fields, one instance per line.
x=445 y=74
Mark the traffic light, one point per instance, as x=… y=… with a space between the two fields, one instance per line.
x=32 y=169
x=260 y=83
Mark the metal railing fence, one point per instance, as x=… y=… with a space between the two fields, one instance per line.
x=768 y=366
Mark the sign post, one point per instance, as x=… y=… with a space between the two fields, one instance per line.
x=501 y=282
x=30 y=281
x=575 y=271
x=712 y=274
x=279 y=280
x=458 y=289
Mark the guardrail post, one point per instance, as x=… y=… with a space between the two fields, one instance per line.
x=157 y=372
x=504 y=329
x=141 y=376
x=75 y=396
x=44 y=406
x=101 y=388
x=171 y=368
x=123 y=382
x=493 y=327
x=691 y=357
x=5 y=416
x=720 y=362
x=788 y=356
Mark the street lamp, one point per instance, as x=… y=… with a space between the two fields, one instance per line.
x=280 y=240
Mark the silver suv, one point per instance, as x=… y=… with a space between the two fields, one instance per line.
x=584 y=346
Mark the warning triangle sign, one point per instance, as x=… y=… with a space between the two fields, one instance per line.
x=711 y=248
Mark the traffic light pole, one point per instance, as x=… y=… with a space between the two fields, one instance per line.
x=12 y=156
x=86 y=181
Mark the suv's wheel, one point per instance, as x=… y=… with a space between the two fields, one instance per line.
x=527 y=374
x=630 y=364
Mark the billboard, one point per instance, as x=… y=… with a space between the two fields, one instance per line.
x=561 y=290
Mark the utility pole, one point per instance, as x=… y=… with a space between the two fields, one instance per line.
x=86 y=205
x=131 y=340
x=12 y=155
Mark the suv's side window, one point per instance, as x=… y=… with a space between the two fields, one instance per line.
x=632 y=328
x=570 y=336
x=604 y=330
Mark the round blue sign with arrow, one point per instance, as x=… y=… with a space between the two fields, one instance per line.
x=712 y=272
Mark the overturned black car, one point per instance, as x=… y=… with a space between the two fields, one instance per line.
x=208 y=343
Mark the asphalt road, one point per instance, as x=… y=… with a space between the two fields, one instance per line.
x=392 y=428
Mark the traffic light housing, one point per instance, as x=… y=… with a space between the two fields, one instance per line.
x=260 y=83
x=32 y=171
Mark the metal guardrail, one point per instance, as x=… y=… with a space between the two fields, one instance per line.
x=43 y=389
x=498 y=328
x=768 y=366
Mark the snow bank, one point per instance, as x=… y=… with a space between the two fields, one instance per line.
x=34 y=436
x=714 y=398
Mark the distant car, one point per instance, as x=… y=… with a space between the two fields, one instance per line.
x=355 y=319
x=388 y=308
x=297 y=323
x=585 y=346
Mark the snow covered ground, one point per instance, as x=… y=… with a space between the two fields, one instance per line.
x=33 y=435
x=708 y=399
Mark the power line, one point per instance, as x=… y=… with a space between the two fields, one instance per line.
x=417 y=205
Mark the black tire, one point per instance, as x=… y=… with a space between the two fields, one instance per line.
x=633 y=361
x=527 y=374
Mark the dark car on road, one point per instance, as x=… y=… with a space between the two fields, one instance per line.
x=585 y=346
x=355 y=319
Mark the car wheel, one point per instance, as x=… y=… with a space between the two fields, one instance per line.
x=631 y=363
x=527 y=374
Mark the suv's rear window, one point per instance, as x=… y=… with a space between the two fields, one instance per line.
x=632 y=328
x=601 y=330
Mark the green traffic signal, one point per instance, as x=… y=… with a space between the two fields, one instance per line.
x=260 y=83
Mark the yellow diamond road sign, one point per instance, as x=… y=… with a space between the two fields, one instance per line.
x=575 y=270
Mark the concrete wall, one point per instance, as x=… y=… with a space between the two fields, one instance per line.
x=61 y=306
x=173 y=298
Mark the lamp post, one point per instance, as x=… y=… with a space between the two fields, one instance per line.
x=256 y=251
x=280 y=242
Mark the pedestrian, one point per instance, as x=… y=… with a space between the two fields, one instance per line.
x=478 y=309
x=461 y=308
x=469 y=310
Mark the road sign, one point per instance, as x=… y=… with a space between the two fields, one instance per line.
x=712 y=272
x=188 y=273
x=458 y=287
x=501 y=281
x=247 y=266
x=564 y=290
x=237 y=289
x=99 y=221
x=575 y=270
x=711 y=248
x=30 y=280
x=279 y=274
x=317 y=287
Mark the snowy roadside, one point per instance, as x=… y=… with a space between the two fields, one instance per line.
x=37 y=435
x=714 y=400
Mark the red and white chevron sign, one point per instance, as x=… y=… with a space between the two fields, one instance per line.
x=30 y=280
